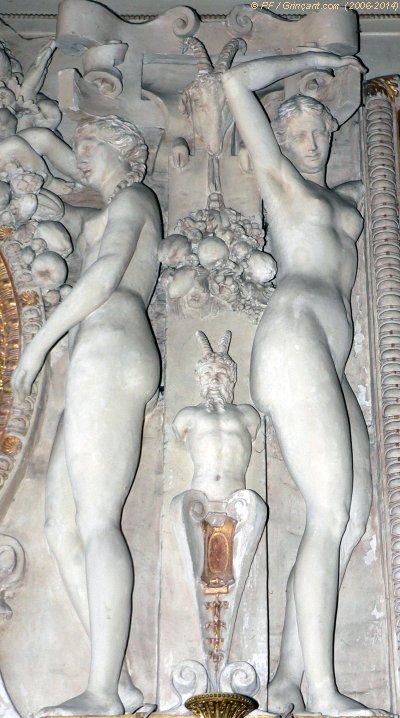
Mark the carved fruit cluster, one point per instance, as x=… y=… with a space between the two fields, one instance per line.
x=215 y=260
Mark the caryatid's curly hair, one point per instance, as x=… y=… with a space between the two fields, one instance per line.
x=295 y=106
x=124 y=136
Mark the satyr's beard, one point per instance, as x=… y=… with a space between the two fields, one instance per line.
x=216 y=400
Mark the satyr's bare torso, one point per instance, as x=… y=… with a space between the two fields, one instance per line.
x=219 y=442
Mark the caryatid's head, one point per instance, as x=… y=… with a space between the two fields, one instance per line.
x=216 y=372
x=100 y=143
x=303 y=127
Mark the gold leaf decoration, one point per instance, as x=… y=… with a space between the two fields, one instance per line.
x=10 y=342
x=388 y=86
x=11 y=445
x=5 y=231
x=29 y=298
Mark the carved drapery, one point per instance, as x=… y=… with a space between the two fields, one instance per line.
x=384 y=249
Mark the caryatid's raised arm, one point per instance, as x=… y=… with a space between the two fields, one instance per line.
x=240 y=83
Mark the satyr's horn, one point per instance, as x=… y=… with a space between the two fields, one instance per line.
x=223 y=344
x=227 y=54
x=204 y=343
x=204 y=64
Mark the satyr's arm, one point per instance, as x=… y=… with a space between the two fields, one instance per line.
x=127 y=216
x=240 y=83
x=182 y=422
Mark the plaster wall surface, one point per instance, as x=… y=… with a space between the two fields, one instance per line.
x=362 y=637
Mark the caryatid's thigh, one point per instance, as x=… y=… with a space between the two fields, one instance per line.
x=362 y=479
x=301 y=388
x=103 y=427
x=59 y=502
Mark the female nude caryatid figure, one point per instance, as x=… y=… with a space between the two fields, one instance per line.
x=298 y=363
x=113 y=373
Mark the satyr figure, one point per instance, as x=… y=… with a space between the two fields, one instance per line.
x=218 y=522
x=298 y=364
x=113 y=373
x=219 y=433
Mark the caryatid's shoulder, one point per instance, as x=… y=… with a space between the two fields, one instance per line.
x=134 y=197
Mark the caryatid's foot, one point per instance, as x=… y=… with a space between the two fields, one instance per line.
x=131 y=697
x=282 y=693
x=86 y=704
x=333 y=703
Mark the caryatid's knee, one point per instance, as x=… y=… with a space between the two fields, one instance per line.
x=93 y=524
x=356 y=527
x=329 y=523
x=61 y=534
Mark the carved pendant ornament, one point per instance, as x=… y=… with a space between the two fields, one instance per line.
x=218 y=533
x=215 y=259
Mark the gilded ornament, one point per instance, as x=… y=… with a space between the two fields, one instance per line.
x=9 y=342
x=11 y=445
x=29 y=298
x=5 y=232
x=217 y=573
x=388 y=86
x=220 y=705
x=216 y=626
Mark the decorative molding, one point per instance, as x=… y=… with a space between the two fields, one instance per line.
x=203 y=18
x=384 y=250
x=21 y=316
x=10 y=329
x=134 y=18
x=12 y=568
